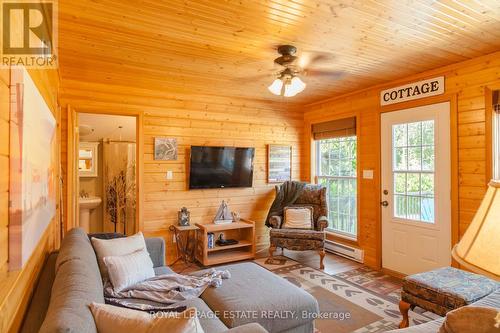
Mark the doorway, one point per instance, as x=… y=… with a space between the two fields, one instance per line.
x=416 y=189
x=107 y=173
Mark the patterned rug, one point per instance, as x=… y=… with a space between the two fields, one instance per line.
x=361 y=300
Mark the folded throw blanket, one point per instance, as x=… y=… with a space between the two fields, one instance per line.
x=286 y=194
x=161 y=292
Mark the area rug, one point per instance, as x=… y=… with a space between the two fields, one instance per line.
x=374 y=281
x=361 y=300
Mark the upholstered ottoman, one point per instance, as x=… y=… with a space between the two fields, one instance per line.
x=443 y=290
x=254 y=294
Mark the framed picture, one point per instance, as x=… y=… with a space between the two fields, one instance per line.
x=279 y=163
x=165 y=149
x=33 y=168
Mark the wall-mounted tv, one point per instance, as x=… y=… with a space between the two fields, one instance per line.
x=220 y=167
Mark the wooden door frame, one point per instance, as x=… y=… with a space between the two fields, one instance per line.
x=488 y=99
x=72 y=113
x=452 y=99
x=71 y=186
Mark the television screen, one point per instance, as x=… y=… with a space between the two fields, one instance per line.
x=219 y=167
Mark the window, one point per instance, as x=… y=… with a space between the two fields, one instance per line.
x=336 y=163
x=413 y=170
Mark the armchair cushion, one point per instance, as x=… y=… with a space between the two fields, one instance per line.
x=298 y=234
x=298 y=217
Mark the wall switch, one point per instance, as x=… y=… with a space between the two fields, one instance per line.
x=170 y=174
x=367 y=174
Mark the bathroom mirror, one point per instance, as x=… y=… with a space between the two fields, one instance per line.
x=87 y=159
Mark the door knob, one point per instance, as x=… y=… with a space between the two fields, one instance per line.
x=385 y=203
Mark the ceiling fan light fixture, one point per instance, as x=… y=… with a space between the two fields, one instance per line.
x=276 y=87
x=289 y=91
x=286 y=86
x=297 y=84
x=293 y=87
x=288 y=83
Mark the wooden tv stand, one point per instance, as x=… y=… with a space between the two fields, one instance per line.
x=243 y=231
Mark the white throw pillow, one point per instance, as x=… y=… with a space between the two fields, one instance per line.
x=298 y=218
x=116 y=247
x=125 y=271
x=112 y=319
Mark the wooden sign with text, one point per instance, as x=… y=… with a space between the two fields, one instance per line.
x=411 y=91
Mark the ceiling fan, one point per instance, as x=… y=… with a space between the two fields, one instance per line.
x=288 y=82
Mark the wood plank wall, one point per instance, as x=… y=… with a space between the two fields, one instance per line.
x=16 y=287
x=467 y=82
x=196 y=120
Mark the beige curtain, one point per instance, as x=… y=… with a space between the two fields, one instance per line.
x=119 y=163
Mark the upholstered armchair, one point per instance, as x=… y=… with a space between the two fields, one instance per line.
x=303 y=239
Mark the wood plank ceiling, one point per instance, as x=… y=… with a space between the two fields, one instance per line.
x=217 y=47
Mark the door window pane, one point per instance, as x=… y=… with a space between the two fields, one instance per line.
x=400 y=183
x=413 y=207
x=427 y=184
x=413 y=184
x=428 y=133
x=415 y=134
x=400 y=206
x=400 y=158
x=400 y=139
x=413 y=170
x=337 y=172
x=427 y=209
x=415 y=158
x=428 y=158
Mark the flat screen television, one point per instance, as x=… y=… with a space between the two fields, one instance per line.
x=220 y=167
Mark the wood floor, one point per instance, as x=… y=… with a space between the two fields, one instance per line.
x=333 y=264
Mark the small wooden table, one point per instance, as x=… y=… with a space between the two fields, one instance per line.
x=185 y=239
x=243 y=231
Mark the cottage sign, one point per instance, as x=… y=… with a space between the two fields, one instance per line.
x=415 y=90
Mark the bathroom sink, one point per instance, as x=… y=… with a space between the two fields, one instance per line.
x=86 y=206
x=90 y=202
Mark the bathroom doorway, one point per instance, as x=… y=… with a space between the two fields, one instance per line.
x=107 y=168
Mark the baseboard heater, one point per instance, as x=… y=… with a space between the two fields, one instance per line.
x=345 y=251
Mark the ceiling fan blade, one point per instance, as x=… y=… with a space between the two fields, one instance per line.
x=253 y=78
x=324 y=73
x=322 y=57
x=311 y=58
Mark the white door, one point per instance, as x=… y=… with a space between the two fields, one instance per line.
x=416 y=186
